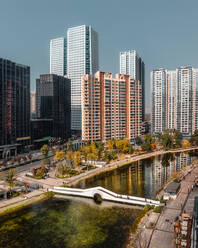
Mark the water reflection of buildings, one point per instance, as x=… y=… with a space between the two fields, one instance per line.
x=164 y=166
x=142 y=178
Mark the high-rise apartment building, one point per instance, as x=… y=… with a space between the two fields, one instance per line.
x=82 y=58
x=174 y=98
x=132 y=64
x=58 y=56
x=159 y=100
x=111 y=107
x=53 y=101
x=185 y=99
x=14 y=103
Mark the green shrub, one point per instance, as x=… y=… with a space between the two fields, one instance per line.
x=148 y=207
x=49 y=194
x=158 y=209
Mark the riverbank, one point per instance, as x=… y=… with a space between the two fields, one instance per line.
x=17 y=203
x=120 y=163
x=51 y=182
x=156 y=229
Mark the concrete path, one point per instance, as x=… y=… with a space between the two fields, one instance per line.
x=162 y=235
x=5 y=204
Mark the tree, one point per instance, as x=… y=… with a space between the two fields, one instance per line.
x=111 y=145
x=61 y=169
x=100 y=147
x=45 y=150
x=138 y=140
x=147 y=142
x=11 y=178
x=77 y=158
x=85 y=150
x=69 y=145
x=70 y=156
x=59 y=156
x=178 y=138
x=30 y=156
x=167 y=141
x=186 y=144
x=194 y=138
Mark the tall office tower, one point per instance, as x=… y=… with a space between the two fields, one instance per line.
x=58 y=56
x=159 y=100
x=171 y=100
x=133 y=65
x=82 y=58
x=109 y=109
x=14 y=104
x=185 y=100
x=53 y=102
x=33 y=102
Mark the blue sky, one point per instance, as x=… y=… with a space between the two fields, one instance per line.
x=164 y=33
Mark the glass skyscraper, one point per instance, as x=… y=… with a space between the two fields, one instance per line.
x=58 y=56
x=82 y=58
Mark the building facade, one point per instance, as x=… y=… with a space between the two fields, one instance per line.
x=111 y=107
x=174 y=99
x=33 y=103
x=53 y=101
x=82 y=58
x=14 y=103
x=132 y=64
x=58 y=56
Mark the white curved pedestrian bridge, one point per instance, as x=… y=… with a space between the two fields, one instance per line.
x=105 y=195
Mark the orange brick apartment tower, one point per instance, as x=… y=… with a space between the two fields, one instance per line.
x=111 y=107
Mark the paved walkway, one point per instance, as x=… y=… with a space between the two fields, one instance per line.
x=4 y=204
x=162 y=235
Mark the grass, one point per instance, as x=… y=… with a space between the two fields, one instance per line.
x=137 y=221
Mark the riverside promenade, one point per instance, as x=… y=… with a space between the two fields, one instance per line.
x=53 y=181
x=157 y=230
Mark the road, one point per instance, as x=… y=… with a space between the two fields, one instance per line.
x=26 y=167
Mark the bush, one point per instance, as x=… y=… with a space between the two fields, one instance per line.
x=49 y=194
x=162 y=200
x=148 y=207
x=176 y=180
x=158 y=209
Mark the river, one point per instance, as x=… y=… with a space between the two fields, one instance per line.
x=83 y=224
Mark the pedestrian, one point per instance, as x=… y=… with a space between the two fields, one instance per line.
x=192 y=187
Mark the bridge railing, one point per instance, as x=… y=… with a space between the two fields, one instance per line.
x=106 y=191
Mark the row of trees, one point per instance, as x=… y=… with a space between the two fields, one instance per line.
x=95 y=151
x=168 y=139
x=18 y=160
